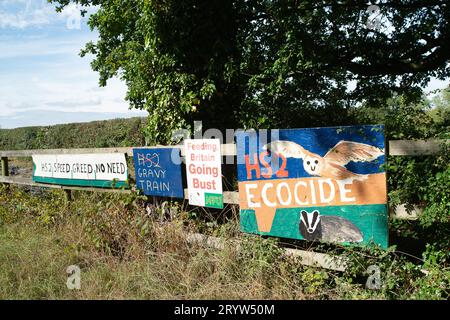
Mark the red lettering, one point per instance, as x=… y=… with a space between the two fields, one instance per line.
x=208 y=185
x=266 y=165
x=282 y=173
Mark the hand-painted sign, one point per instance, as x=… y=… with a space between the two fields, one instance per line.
x=204 y=172
x=95 y=170
x=158 y=171
x=323 y=184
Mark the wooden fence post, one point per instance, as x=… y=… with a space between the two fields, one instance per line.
x=68 y=195
x=5 y=170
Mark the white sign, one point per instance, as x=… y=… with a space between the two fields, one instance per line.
x=204 y=172
x=101 y=170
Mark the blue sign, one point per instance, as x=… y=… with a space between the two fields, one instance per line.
x=325 y=184
x=158 y=171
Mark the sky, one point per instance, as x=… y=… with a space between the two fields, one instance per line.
x=44 y=81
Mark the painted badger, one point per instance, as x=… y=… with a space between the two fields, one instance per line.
x=313 y=226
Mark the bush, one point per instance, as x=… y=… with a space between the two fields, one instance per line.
x=97 y=134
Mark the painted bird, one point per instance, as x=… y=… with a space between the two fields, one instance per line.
x=332 y=165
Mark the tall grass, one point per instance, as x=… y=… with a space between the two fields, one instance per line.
x=123 y=254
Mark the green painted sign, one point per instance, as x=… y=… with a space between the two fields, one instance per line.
x=214 y=200
x=315 y=184
x=93 y=170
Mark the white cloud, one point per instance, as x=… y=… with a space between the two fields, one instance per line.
x=21 y=14
x=46 y=75
x=40 y=47
x=43 y=80
x=62 y=94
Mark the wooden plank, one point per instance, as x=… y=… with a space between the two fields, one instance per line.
x=29 y=153
x=396 y=148
x=346 y=211
x=29 y=182
x=308 y=258
x=415 y=147
x=68 y=195
x=406 y=212
x=317 y=259
x=17 y=180
x=211 y=242
x=227 y=150
x=230 y=197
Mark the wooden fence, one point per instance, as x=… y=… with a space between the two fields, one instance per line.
x=395 y=148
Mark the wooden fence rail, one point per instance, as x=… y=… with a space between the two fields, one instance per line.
x=396 y=148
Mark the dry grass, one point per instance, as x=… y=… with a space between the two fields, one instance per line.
x=128 y=252
x=124 y=253
x=34 y=259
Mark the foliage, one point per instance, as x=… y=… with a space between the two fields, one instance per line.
x=264 y=63
x=425 y=119
x=44 y=209
x=420 y=180
x=97 y=134
x=400 y=276
x=125 y=252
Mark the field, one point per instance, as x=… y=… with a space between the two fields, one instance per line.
x=125 y=253
x=133 y=247
x=128 y=250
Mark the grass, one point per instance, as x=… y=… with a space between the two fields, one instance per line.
x=122 y=257
x=125 y=251
x=34 y=259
